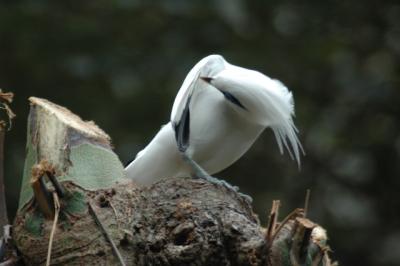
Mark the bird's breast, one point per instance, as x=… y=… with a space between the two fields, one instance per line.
x=219 y=135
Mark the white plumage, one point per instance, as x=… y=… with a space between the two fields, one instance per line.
x=218 y=113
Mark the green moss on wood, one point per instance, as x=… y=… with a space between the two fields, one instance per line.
x=34 y=223
x=75 y=203
x=92 y=167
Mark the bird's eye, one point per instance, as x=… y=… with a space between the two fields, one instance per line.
x=207 y=79
x=233 y=99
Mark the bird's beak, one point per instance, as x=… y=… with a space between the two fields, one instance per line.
x=207 y=79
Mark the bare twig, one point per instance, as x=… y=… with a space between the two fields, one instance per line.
x=53 y=229
x=106 y=234
x=2 y=249
x=42 y=196
x=3 y=206
x=307 y=202
x=5 y=99
x=273 y=221
x=40 y=190
x=296 y=213
x=47 y=169
x=5 y=243
x=57 y=186
x=6 y=96
x=115 y=212
x=7 y=233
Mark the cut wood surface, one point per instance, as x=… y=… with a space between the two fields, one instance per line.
x=101 y=218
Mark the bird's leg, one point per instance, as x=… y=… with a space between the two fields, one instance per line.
x=199 y=172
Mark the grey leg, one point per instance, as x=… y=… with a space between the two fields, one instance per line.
x=199 y=172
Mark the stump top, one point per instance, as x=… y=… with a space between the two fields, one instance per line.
x=88 y=128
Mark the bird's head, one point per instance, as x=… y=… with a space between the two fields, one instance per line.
x=256 y=97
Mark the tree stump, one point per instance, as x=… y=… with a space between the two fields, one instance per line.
x=76 y=200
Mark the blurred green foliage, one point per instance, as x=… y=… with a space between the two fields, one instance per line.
x=121 y=62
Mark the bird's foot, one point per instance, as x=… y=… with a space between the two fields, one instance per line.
x=228 y=186
x=217 y=181
x=199 y=172
x=225 y=184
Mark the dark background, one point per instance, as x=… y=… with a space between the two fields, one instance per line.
x=121 y=62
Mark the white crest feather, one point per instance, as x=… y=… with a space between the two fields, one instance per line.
x=268 y=101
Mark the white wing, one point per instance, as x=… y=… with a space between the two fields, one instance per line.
x=191 y=87
x=188 y=86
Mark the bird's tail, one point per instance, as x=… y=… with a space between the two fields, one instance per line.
x=284 y=128
x=285 y=134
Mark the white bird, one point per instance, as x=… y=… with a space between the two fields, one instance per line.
x=218 y=113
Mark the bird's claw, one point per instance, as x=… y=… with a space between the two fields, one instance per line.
x=225 y=184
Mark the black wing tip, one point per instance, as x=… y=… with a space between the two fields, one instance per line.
x=182 y=131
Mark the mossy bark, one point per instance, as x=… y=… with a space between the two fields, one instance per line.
x=173 y=222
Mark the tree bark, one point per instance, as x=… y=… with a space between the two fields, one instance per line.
x=172 y=222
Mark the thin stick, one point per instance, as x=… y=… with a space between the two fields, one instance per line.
x=115 y=212
x=4 y=241
x=307 y=202
x=2 y=249
x=106 y=234
x=53 y=229
x=57 y=186
x=273 y=220
x=5 y=99
x=284 y=222
x=3 y=207
x=42 y=196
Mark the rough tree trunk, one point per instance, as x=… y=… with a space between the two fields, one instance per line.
x=172 y=222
